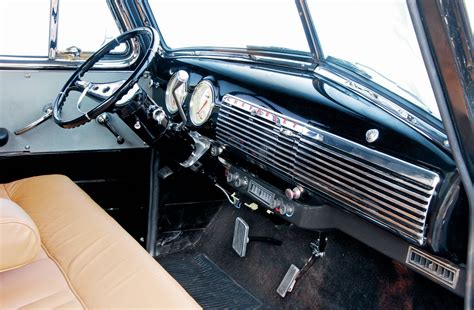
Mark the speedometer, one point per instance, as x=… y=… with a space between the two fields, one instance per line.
x=181 y=93
x=202 y=103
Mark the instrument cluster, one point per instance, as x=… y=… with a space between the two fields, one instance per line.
x=201 y=103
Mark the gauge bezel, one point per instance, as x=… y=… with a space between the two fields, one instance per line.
x=169 y=94
x=212 y=103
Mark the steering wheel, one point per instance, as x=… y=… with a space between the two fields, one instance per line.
x=106 y=94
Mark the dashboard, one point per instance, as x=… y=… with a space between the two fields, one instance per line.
x=313 y=152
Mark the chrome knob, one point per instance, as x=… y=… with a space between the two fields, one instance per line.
x=277 y=203
x=294 y=193
x=183 y=76
x=240 y=181
x=229 y=177
x=290 y=210
x=282 y=209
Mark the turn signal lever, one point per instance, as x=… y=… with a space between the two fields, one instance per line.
x=104 y=120
x=182 y=81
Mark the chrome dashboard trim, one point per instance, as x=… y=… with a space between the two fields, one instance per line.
x=386 y=190
x=389 y=106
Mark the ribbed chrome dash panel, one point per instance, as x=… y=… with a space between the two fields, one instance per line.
x=389 y=191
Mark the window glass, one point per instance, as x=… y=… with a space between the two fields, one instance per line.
x=31 y=37
x=376 y=38
x=230 y=23
x=86 y=24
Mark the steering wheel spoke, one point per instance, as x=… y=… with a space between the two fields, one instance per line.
x=98 y=91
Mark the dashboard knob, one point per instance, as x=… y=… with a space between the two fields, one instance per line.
x=282 y=209
x=294 y=193
x=240 y=181
x=230 y=177
x=290 y=210
x=277 y=202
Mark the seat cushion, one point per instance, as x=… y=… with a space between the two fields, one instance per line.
x=19 y=237
x=102 y=264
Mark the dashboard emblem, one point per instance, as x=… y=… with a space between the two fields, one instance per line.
x=372 y=135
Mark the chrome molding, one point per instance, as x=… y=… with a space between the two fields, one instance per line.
x=53 y=29
x=390 y=192
x=389 y=106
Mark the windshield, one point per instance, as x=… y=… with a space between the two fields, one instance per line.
x=230 y=23
x=372 y=38
x=375 y=39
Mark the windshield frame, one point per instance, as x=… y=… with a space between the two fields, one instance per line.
x=278 y=56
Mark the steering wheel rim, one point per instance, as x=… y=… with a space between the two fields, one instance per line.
x=145 y=60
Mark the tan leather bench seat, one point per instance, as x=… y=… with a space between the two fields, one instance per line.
x=86 y=259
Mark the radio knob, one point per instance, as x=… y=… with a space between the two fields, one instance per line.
x=294 y=193
x=282 y=209
x=240 y=181
x=230 y=177
x=277 y=203
x=290 y=210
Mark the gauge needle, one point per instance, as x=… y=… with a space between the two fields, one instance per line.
x=205 y=103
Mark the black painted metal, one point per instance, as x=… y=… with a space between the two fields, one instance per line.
x=153 y=203
x=450 y=42
x=322 y=103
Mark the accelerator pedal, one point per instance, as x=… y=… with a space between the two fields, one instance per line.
x=294 y=273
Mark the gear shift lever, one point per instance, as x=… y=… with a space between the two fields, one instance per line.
x=183 y=78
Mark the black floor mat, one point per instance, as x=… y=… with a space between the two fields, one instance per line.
x=211 y=287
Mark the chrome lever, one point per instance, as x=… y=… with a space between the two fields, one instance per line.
x=201 y=145
x=104 y=120
x=48 y=112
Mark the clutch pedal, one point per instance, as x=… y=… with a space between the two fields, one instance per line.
x=241 y=237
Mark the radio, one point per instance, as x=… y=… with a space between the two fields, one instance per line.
x=267 y=195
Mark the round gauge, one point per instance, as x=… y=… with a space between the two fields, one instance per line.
x=181 y=93
x=202 y=103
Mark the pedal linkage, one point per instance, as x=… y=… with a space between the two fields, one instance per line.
x=294 y=273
